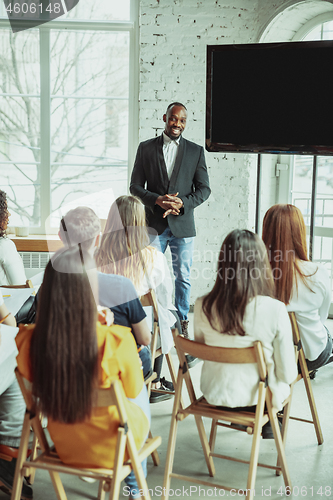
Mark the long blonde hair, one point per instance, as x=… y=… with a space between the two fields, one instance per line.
x=124 y=247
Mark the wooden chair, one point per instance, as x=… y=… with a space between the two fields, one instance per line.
x=27 y=284
x=150 y=300
x=305 y=375
x=110 y=479
x=200 y=408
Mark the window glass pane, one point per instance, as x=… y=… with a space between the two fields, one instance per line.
x=321 y=32
x=89 y=115
x=20 y=125
x=21 y=183
x=324 y=199
x=110 y=10
x=93 y=186
x=302 y=185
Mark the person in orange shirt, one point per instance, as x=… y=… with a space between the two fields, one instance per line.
x=67 y=353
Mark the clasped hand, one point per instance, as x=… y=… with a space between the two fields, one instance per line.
x=171 y=203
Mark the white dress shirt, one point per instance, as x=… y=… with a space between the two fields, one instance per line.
x=170 y=151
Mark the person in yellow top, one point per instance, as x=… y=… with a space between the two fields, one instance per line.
x=67 y=353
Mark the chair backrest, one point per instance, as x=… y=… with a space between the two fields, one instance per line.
x=102 y=397
x=294 y=327
x=149 y=299
x=205 y=352
x=27 y=284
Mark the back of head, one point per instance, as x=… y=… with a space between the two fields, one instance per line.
x=80 y=225
x=284 y=235
x=64 y=344
x=243 y=272
x=124 y=237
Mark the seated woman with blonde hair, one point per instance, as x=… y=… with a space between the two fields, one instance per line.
x=68 y=353
x=239 y=310
x=125 y=249
x=302 y=285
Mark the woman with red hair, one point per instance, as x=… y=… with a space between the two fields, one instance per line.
x=304 y=286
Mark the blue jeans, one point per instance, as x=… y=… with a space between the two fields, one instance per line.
x=143 y=402
x=12 y=410
x=182 y=253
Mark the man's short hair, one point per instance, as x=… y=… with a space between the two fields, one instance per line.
x=80 y=225
x=175 y=104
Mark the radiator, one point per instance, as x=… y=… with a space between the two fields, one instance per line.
x=34 y=262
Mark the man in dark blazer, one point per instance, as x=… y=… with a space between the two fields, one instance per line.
x=170 y=177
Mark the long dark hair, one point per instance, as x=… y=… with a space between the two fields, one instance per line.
x=64 y=345
x=3 y=212
x=243 y=272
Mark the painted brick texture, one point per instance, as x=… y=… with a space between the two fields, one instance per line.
x=173 y=39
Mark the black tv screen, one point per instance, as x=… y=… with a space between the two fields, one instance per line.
x=270 y=97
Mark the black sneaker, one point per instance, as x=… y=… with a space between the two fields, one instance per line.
x=157 y=396
x=7 y=471
x=168 y=385
x=267 y=431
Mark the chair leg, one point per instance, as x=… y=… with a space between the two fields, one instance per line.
x=154 y=455
x=172 y=437
x=279 y=444
x=101 y=492
x=118 y=463
x=173 y=375
x=205 y=445
x=313 y=408
x=137 y=467
x=57 y=485
x=22 y=455
x=285 y=422
x=33 y=455
x=253 y=466
x=212 y=437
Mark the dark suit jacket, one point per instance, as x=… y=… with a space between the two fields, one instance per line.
x=189 y=178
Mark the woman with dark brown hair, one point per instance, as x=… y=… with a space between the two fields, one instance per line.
x=302 y=285
x=68 y=353
x=239 y=310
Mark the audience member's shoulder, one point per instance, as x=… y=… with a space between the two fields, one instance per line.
x=7 y=244
x=314 y=271
x=116 y=287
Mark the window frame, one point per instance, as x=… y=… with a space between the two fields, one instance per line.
x=131 y=27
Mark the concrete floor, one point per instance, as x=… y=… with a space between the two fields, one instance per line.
x=310 y=465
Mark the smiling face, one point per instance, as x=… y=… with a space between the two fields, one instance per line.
x=175 y=122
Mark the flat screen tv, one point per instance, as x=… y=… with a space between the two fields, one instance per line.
x=270 y=98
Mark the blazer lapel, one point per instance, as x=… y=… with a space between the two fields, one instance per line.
x=161 y=162
x=178 y=162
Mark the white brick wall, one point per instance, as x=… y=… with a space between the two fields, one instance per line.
x=173 y=39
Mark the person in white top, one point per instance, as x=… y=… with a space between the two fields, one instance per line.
x=125 y=249
x=302 y=285
x=12 y=406
x=239 y=310
x=11 y=265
